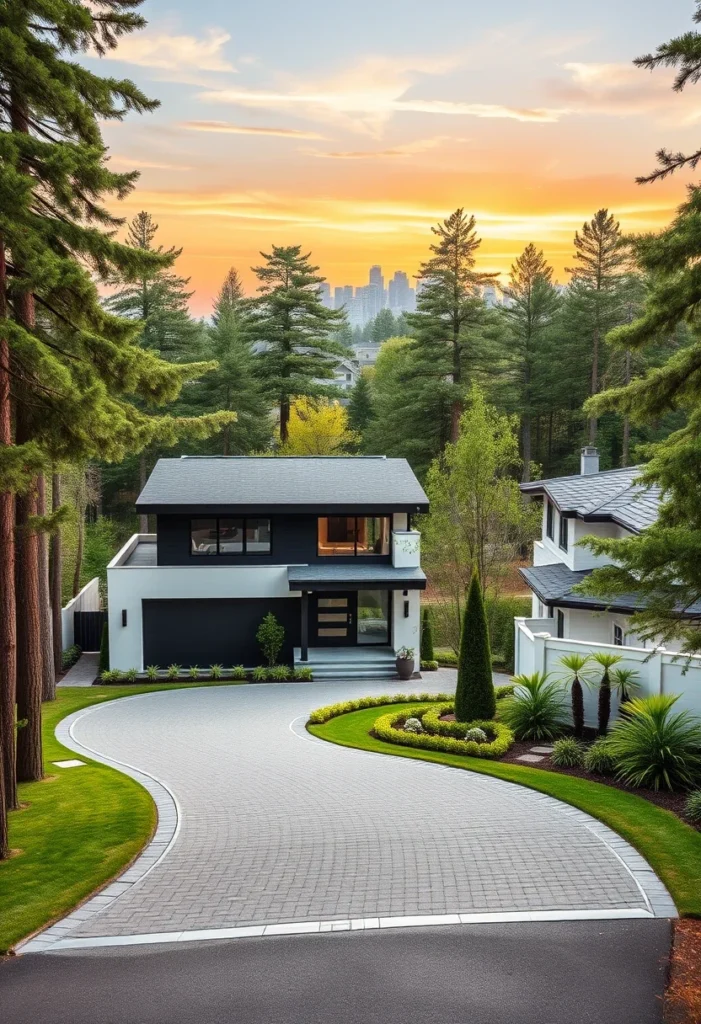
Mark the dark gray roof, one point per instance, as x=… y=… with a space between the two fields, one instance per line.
x=144 y=554
x=612 y=495
x=355 y=577
x=373 y=483
x=553 y=585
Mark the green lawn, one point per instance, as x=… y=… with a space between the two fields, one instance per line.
x=77 y=830
x=671 y=847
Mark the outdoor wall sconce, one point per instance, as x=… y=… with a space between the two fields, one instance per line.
x=124 y=616
x=406 y=609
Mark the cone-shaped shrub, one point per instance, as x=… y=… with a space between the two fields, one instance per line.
x=426 y=636
x=474 y=696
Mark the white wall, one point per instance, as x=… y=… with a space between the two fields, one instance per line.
x=547 y=551
x=88 y=600
x=128 y=586
x=406 y=549
x=406 y=632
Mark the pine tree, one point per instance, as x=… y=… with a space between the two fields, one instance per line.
x=600 y=260
x=383 y=327
x=295 y=331
x=451 y=314
x=531 y=307
x=475 y=699
x=360 y=405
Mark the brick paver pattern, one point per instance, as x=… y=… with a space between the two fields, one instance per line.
x=278 y=826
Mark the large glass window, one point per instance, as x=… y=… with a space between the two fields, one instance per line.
x=227 y=536
x=353 y=535
x=373 y=616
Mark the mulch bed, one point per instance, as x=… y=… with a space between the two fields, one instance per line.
x=682 y=1004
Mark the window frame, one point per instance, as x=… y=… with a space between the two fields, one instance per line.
x=618 y=632
x=550 y=521
x=564 y=533
x=560 y=624
x=244 y=553
x=363 y=554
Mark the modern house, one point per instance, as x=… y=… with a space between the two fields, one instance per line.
x=602 y=504
x=324 y=543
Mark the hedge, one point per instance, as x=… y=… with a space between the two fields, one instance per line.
x=385 y=729
x=325 y=714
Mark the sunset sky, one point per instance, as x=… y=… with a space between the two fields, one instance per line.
x=350 y=128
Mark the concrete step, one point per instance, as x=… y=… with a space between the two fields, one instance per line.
x=336 y=674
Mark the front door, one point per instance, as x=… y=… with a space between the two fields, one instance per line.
x=332 y=619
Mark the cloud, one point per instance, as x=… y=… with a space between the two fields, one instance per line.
x=366 y=96
x=227 y=128
x=174 y=53
x=137 y=163
x=620 y=90
x=405 y=149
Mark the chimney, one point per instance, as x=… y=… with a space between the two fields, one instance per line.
x=589 y=461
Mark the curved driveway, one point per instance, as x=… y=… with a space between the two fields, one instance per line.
x=276 y=826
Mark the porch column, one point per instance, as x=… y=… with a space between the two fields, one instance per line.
x=305 y=626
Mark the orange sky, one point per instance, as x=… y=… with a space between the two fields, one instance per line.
x=357 y=156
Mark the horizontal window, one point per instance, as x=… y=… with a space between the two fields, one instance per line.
x=353 y=535
x=226 y=536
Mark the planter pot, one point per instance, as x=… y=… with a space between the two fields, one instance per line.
x=405 y=667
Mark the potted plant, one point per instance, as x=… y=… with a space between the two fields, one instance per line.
x=405 y=662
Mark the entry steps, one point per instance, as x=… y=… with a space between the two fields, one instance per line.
x=349 y=662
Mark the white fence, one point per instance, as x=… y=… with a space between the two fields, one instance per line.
x=88 y=600
x=659 y=671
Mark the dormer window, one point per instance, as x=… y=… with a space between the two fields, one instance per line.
x=549 y=521
x=564 y=532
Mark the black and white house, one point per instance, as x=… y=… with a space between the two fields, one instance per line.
x=324 y=543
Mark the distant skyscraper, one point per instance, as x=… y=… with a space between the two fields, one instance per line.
x=402 y=298
x=325 y=294
x=343 y=296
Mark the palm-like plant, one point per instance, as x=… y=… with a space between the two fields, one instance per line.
x=606 y=661
x=655 y=746
x=537 y=709
x=624 y=681
x=574 y=665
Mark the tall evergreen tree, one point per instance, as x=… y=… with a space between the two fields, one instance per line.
x=360 y=405
x=531 y=306
x=475 y=699
x=450 y=313
x=383 y=327
x=294 y=330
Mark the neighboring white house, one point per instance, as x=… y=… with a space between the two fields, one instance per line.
x=324 y=543
x=608 y=504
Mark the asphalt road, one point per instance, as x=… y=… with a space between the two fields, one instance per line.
x=571 y=973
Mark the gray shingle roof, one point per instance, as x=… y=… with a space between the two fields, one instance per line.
x=554 y=584
x=343 y=483
x=361 y=575
x=612 y=495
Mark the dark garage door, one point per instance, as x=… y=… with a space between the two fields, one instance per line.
x=197 y=632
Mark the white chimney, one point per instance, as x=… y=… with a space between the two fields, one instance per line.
x=589 y=463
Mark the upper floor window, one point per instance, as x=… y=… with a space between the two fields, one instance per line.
x=564 y=532
x=560 y=624
x=228 y=536
x=618 y=637
x=353 y=535
x=550 y=521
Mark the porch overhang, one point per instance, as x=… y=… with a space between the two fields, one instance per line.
x=355 y=577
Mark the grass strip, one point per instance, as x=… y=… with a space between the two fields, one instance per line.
x=77 y=829
x=672 y=848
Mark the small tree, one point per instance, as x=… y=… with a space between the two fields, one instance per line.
x=103 y=663
x=426 y=636
x=606 y=661
x=270 y=636
x=474 y=696
x=574 y=664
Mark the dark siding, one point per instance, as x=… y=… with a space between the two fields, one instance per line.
x=293 y=543
x=208 y=632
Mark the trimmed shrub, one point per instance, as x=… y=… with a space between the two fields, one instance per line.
x=476 y=735
x=387 y=727
x=598 y=758
x=103 y=662
x=270 y=637
x=152 y=673
x=426 y=637
x=429 y=666
x=238 y=672
x=173 y=671
x=413 y=725
x=280 y=673
x=692 y=807
x=260 y=674
x=567 y=753
x=216 y=671
x=655 y=746
x=303 y=675
x=70 y=656
x=474 y=695
x=537 y=708
x=447 y=658
x=500 y=612
x=325 y=714
x=504 y=691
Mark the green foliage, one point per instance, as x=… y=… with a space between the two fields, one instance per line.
x=598 y=758
x=131 y=675
x=426 y=636
x=194 y=673
x=303 y=674
x=605 y=661
x=692 y=807
x=360 y=406
x=103 y=662
x=330 y=711
x=537 y=709
x=501 y=612
x=152 y=673
x=449 y=659
x=270 y=637
x=655 y=746
x=70 y=656
x=474 y=695
x=173 y=671
x=429 y=666
x=238 y=672
x=216 y=671
x=388 y=727
x=567 y=753
x=260 y=674
x=575 y=674
x=280 y=673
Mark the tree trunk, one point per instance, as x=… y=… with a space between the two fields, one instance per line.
x=593 y=422
x=56 y=579
x=8 y=635
x=79 y=550
x=48 y=685
x=284 y=419
x=143 y=519
x=29 y=667
x=625 y=454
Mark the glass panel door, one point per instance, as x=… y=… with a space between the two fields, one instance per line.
x=333 y=620
x=373 y=616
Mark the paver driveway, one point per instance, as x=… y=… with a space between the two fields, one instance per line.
x=276 y=826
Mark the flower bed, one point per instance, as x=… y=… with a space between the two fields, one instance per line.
x=325 y=714
x=443 y=736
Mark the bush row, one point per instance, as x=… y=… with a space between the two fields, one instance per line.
x=432 y=723
x=175 y=673
x=325 y=714
x=385 y=728
x=70 y=656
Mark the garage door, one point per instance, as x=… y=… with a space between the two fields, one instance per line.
x=197 y=632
